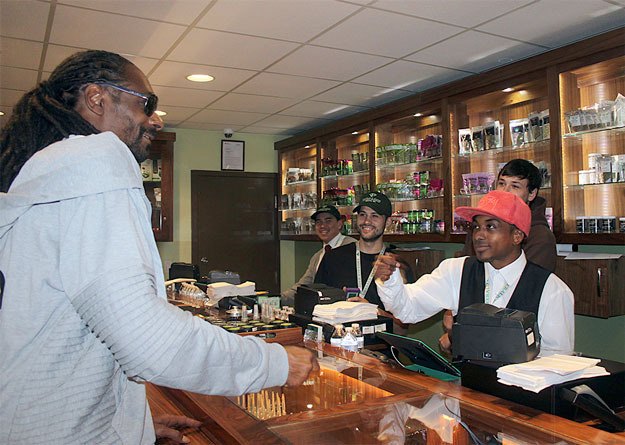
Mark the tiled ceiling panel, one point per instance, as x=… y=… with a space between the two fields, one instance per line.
x=283 y=66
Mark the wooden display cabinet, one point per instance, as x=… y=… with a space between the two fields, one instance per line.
x=298 y=182
x=490 y=129
x=409 y=170
x=599 y=285
x=160 y=190
x=593 y=152
x=345 y=171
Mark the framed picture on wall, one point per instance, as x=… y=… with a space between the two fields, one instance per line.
x=232 y=155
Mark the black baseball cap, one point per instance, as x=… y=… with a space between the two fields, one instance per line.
x=378 y=202
x=327 y=209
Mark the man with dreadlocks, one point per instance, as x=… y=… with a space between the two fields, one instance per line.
x=83 y=316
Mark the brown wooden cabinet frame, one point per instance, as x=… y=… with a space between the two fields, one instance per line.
x=546 y=66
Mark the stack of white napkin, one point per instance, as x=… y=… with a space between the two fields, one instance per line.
x=217 y=291
x=344 y=312
x=546 y=371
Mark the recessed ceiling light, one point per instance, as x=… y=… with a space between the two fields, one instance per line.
x=308 y=146
x=1 y=113
x=161 y=113
x=508 y=90
x=200 y=78
x=418 y=114
x=354 y=132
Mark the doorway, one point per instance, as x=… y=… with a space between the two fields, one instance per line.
x=234 y=224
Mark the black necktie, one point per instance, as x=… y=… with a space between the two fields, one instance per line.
x=327 y=248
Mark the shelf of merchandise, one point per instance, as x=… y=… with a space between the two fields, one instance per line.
x=593 y=151
x=297 y=175
x=409 y=169
x=160 y=192
x=473 y=167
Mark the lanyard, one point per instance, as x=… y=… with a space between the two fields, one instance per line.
x=499 y=294
x=364 y=290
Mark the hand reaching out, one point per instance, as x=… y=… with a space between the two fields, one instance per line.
x=301 y=363
x=167 y=428
x=385 y=265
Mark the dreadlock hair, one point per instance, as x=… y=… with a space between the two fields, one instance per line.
x=47 y=113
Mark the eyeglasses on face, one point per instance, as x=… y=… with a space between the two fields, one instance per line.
x=151 y=99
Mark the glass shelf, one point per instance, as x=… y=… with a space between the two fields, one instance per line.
x=579 y=134
x=351 y=175
x=496 y=151
x=311 y=182
x=436 y=160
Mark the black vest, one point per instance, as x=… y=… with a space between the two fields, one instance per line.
x=526 y=296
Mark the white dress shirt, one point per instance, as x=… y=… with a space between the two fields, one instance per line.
x=440 y=290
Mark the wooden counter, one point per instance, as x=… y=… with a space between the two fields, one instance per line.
x=359 y=400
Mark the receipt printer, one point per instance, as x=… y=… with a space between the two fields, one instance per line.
x=308 y=296
x=486 y=334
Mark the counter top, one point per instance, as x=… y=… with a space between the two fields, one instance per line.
x=357 y=399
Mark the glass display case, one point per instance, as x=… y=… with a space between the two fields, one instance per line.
x=593 y=151
x=409 y=170
x=158 y=181
x=345 y=174
x=355 y=399
x=491 y=129
x=298 y=182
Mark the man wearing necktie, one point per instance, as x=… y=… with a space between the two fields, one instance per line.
x=499 y=274
x=328 y=225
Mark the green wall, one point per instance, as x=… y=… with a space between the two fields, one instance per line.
x=201 y=150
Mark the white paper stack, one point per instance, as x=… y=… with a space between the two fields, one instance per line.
x=217 y=291
x=344 y=312
x=546 y=371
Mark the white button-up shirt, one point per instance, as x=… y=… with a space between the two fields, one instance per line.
x=440 y=290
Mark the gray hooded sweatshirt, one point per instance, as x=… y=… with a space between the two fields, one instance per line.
x=84 y=319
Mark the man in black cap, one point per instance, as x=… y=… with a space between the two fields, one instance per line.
x=328 y=226
x=351 y=266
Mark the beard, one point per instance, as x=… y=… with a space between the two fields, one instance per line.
x=371 y=236
x=140 y=146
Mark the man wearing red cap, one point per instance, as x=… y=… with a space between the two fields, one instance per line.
x=499 y=274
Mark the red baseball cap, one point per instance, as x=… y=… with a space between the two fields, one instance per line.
x=502 y=205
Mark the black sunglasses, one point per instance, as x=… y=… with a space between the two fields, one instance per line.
x=151 y=99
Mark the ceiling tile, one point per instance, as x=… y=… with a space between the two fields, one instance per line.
x=172 y=11
x=185 y=97
x=175 y=73
x=177 y=114
x=56 y=54
x=293 y=20
x=456 y=12
x=91 y=29
x=312 y=108
x=17 y=78
x=475 y=51
x=362 y=95
x=376 y=32
x=285 y=122
x=554 y=23
x=404 y=75
x=20 y=53
x=229 y=50
x=8 y=98
x=281 y=85
x=327 y=63
x=227 y=118
x=24 y=19
x=255 y=129
x=251 y=102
